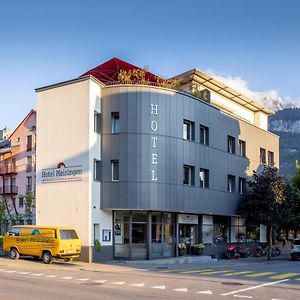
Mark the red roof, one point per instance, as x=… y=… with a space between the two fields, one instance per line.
x=108 y=71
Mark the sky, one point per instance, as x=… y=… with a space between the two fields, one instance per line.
x=252 y=45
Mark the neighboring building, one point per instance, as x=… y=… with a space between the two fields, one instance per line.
x=140 y=167
x=17 y=169
x=4 y=134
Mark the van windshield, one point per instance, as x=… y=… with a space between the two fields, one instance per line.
x=68 y=234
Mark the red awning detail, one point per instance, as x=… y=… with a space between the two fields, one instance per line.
x=108 y=71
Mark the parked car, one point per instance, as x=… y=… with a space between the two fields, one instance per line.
x=295 y=250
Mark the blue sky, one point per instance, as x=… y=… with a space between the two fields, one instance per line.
x=255 y=44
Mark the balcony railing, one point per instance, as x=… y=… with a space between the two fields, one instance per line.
x=9 y=190
x=10 y=169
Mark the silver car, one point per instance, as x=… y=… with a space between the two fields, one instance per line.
x=295 y=251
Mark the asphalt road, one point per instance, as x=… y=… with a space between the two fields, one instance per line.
x=28 y=279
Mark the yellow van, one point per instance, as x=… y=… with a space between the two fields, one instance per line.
x=40 y=241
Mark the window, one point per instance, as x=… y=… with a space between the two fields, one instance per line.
x=204 y=135
x=188 y=130
x=270 y=158
x=97 y=170
x=29 y=142
x=29 y=184
x=115 y=122
x=29 y=164
x=231 y=183
x=204 y=178
x=242 y=185
x=231 y=144
x=262 y=155
x=242 y=148
x=21 y=201
x=115 y=170
x=188 y=175
x=68 y=234
x=97 y=122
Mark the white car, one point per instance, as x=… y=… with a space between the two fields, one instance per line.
x=295 y=251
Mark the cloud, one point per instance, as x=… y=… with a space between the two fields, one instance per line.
x=269 y=98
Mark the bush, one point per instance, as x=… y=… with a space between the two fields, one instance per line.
x=97 y=245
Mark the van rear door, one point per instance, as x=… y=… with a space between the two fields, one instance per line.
x=69 y=243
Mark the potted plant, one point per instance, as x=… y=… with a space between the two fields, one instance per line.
x=182 y=248
x=199 y=248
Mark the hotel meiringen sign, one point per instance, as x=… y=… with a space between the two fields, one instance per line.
x=154 y=141
x=62 y=173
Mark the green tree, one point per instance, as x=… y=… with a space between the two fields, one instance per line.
x=3 y=216
x=269 y=201
x=29 y=207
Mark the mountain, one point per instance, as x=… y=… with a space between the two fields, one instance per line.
x=286 y=124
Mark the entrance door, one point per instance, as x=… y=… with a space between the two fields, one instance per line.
x=187 y=235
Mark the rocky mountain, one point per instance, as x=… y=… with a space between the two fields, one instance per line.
x=286 y=124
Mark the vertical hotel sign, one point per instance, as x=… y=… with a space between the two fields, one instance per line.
x=154 y=141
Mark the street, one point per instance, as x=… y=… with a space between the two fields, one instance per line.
x=250 y=279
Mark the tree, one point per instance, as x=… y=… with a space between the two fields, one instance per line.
x=269 y=201
x=3 y=216
x=29 y=206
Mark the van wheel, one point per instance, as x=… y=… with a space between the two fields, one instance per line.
x=14 y=254
x=47 y=257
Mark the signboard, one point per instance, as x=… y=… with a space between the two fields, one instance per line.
x=187 y=219
x=62 y=173
x=106 y=235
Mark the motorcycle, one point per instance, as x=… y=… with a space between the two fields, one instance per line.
x=232 y=251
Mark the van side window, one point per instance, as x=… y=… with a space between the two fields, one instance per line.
x=68 y=234
x=14 y=232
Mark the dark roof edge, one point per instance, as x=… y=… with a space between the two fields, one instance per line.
x=63 y=83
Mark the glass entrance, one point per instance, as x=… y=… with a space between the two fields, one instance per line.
x=188 y=235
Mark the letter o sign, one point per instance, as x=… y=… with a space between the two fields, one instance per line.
x=154 y=126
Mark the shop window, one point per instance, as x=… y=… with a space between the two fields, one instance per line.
x=204 y=178
x=270 y=158
x=262 y=155
x=242 y=185
x=115 y=122
x=231 y=183
x=188 y=175
x=242 y=148
x=204 y=135
x=231 y=144
x=188 y=130
x=115 y=170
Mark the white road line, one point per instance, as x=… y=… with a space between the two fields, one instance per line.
x=137 y=284
x=254 y=287
x=23 y=273
x=161 y=287
x=243 y=296
x=37 y=274
x=52 y=276
x=118 y=282
x=2 y=270
x=83 y=279
x=180 y=290
x=10 y=271
x=99 y=281
x=209 y=292
x=67 y=277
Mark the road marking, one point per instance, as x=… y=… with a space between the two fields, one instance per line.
x=255 y=287
x=118 y=282
x=195 y=271
x=161 y=287
x=10 y=271
x=180 y=290
x=23 y=273
x=100 y=281
x=286 y=275
x=83 y=279
x=2 y=270
x=238 y=273
x=67 y=277
x=52 y=276
x=36 y=274
x=260 y=274
x=209 y=292
x=215 y=272
x=137 y=284
x=243 y=296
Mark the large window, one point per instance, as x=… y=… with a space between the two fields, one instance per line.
x=231 y=144
x=242 y=185
x=231 y=183
x=262 y=155
x=204 y=135
x=188 y=175
x=242 y=148
x=204 y=178
x=115 y=126
x=115 y=170
x=188 y=130
x=270 y=158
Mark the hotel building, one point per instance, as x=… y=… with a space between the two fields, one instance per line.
x=141 y=167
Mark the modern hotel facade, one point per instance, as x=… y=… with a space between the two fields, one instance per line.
x=141 y=167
